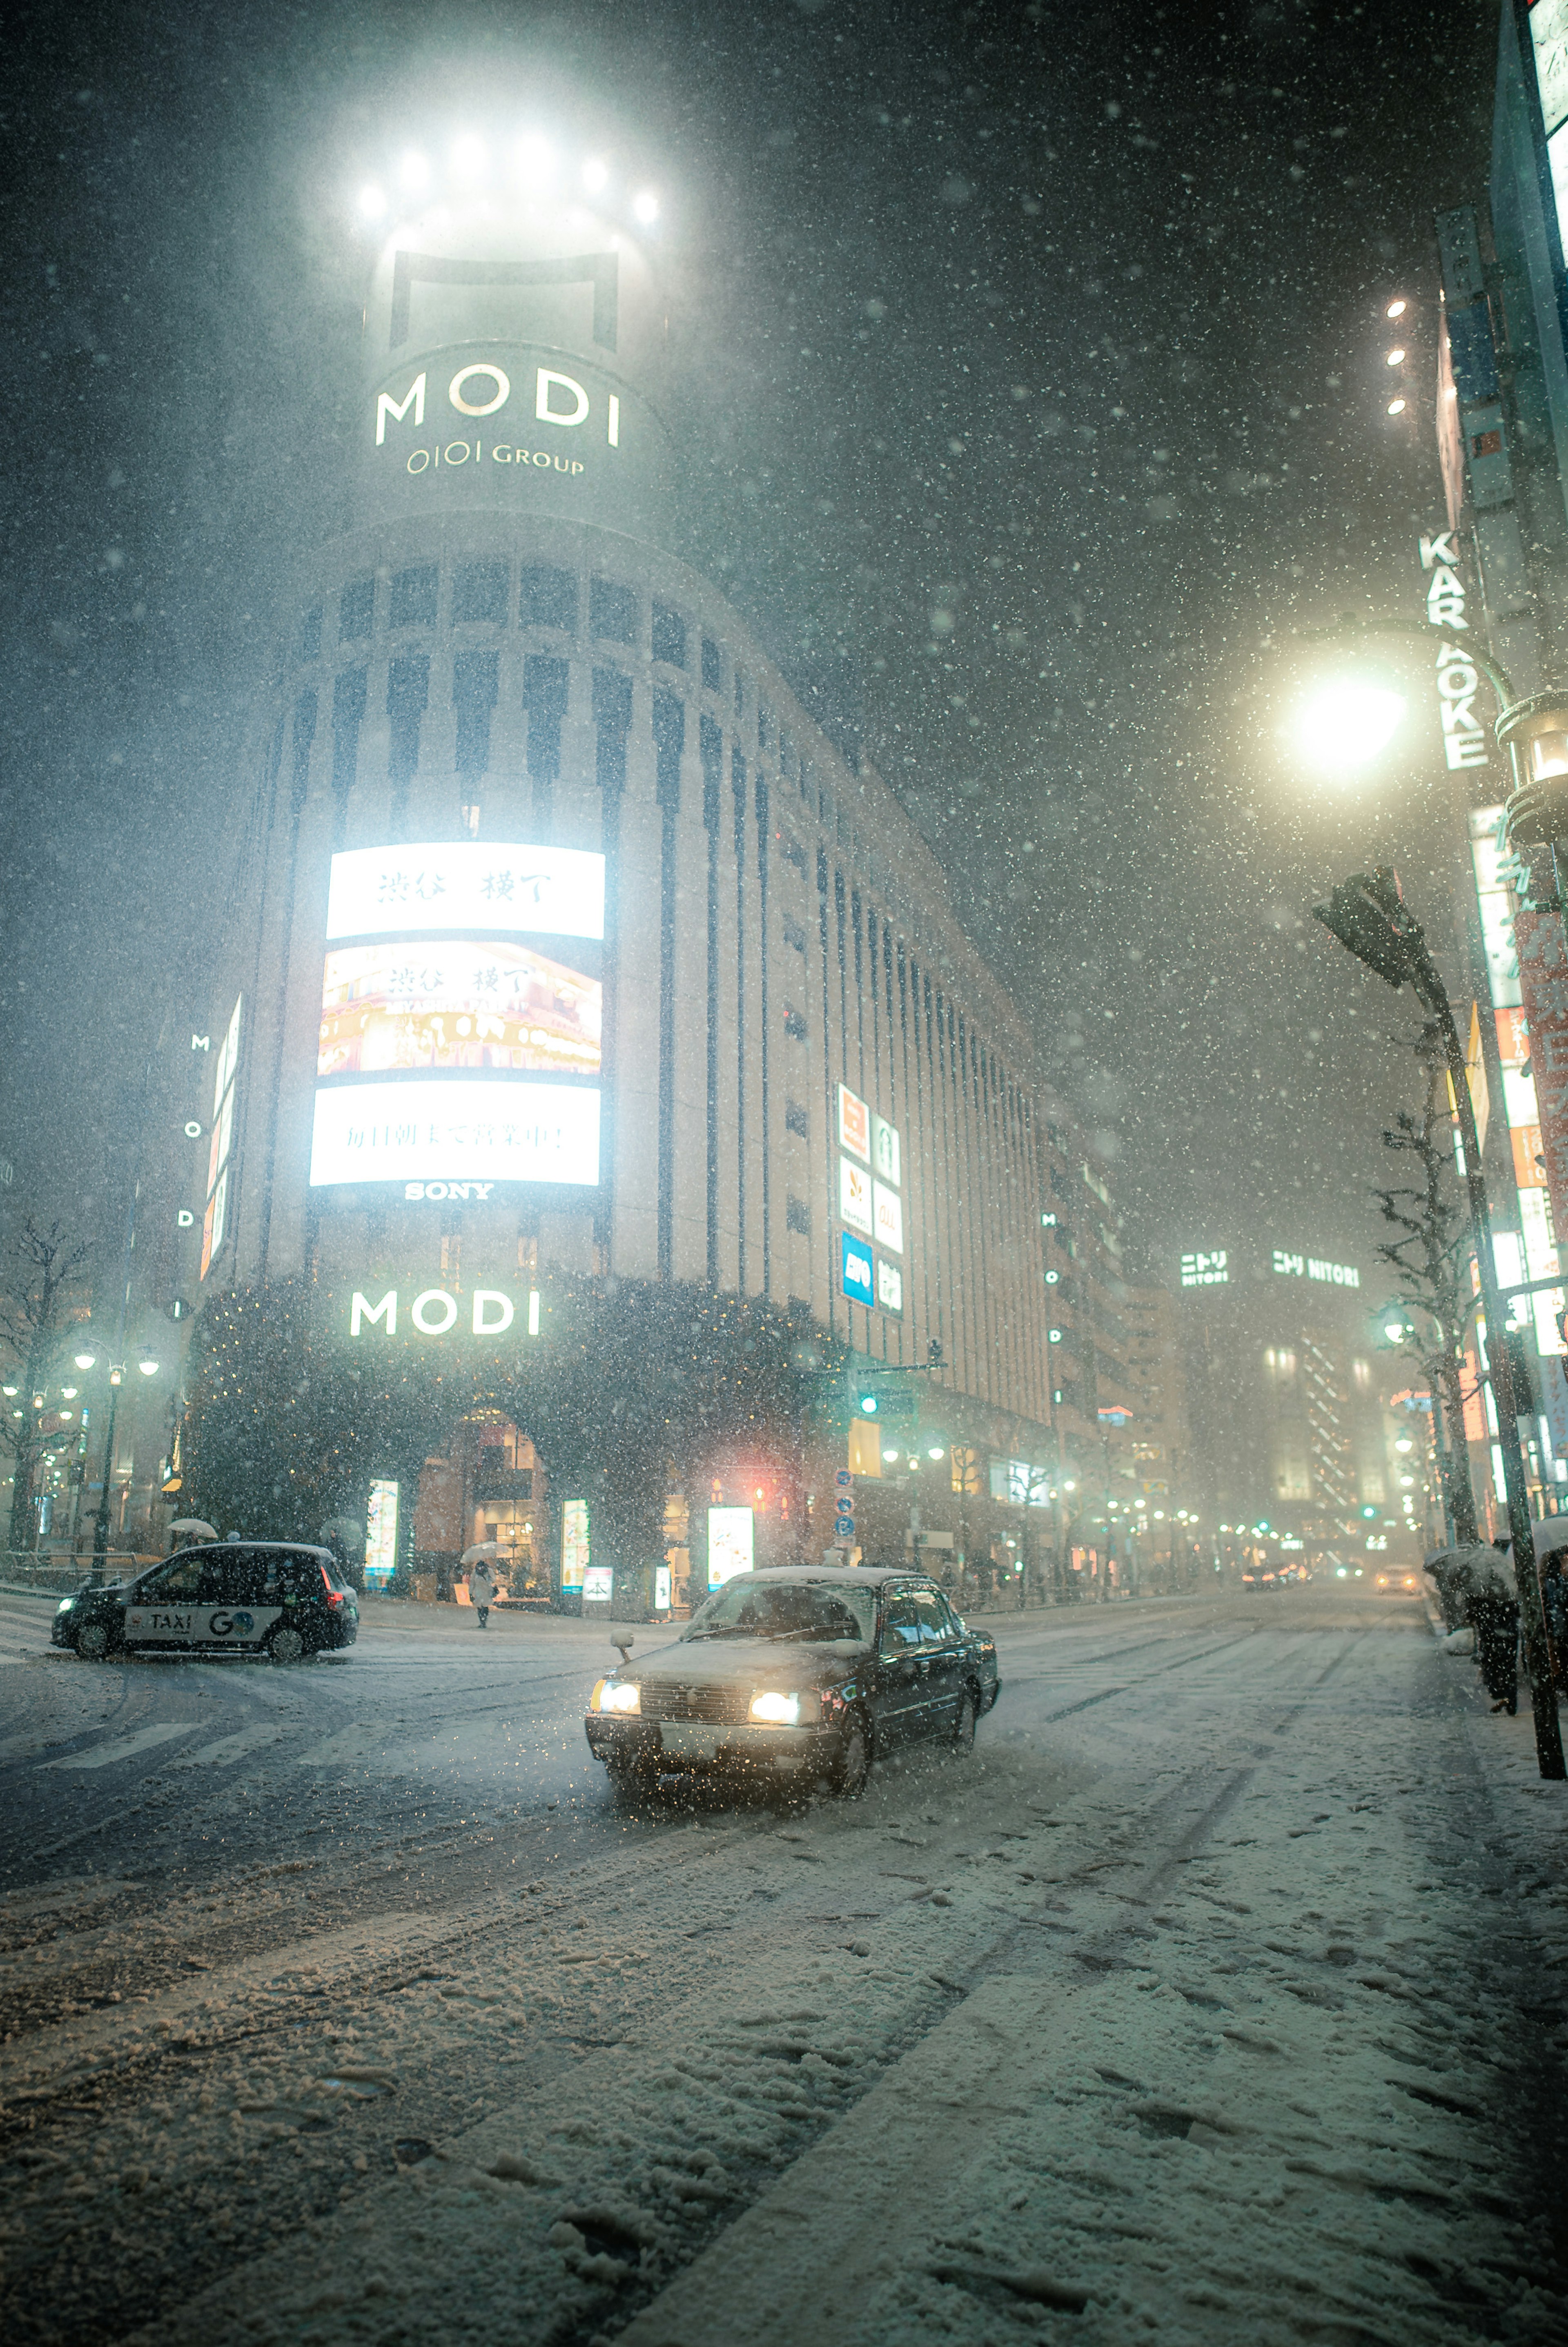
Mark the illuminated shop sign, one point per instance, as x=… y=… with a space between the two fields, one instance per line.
x=888 y=1218
x=1287 y=1265
x=1492 y=872
x=598 y=1584
x=574 y=1543
x=854 y=1124
x=855 y=1197
x=886 y=1154
x=731 y=1535
x=451 y=1004
x=223 y=1098
x=381 y=1535
x=463 y=1129
x=1458 y=680
x=465 y=886
x=889 y=1286
x=1210 y=1270
x=1549 y=43
x=857 y=1272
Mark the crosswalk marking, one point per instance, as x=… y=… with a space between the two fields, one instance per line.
x=232 y=1747
x=124 y=1746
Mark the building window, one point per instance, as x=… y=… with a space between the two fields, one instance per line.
x=452 y=1256
x=547 y=599
x=528 y=1251
x=612 y=611
x=794 y=1026
x=407 y=692
x=797 y=1217
x=355 y=609
x=311 y=634
x=864 y=1449
x=712 y=666
x=796 y=1119
x=668 y=636
x=765 y=724
x=479 y=591
x=413 y=597
x=1362 y=1373
x=474 y=682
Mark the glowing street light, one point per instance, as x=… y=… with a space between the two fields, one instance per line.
x=413 y=173
x=645 y=208
x=595 y=175
x=1348 y=722
x=535 y=160
x=147 y=1366
x=372 y=202
x=85 y=1360
x=1396 y=358
x=1396 y=309
x=468 y=157
x=1395 y=407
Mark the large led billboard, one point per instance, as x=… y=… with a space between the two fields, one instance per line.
x=465 y=885
x=460 y=1039
x=455 y=1004
x=435 y=1129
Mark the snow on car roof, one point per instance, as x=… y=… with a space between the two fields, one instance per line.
x=858 y=1574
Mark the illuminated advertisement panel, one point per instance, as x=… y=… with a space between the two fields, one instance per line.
x=889 y=1209
x=465 y=885
x=400 y=1008
x=730 y=1544
x=381 y=1535
x=574 y=1543
x=438 y=1128
x=853 y=1123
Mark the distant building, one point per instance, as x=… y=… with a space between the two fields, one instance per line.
x=1291 y=1403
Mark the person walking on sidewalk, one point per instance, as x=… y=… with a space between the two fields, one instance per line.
x=1495 y=1616
x=482 y=1588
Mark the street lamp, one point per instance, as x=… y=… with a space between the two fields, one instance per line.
x=1371 y=918
x=101 y=1521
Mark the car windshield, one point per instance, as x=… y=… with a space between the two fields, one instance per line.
x=744 y=1608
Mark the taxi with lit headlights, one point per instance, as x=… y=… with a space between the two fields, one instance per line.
x=813 y=1671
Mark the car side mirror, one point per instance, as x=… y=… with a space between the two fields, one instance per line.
x=624 y=1643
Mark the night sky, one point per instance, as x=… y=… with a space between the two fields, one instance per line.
x=1036 y=399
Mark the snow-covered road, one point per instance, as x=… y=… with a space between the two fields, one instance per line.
x=1219 y=1997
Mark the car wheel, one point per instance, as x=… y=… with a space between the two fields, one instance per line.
x=963 y=1736
x=93 y=1641
x=286 y=1645
x=854 y=1764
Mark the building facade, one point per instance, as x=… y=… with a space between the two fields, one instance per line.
x=596 y=1096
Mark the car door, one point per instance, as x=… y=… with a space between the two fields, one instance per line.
x=242 y=1614
x=942 y=1677
x=164 y=1608
x=901 y=1669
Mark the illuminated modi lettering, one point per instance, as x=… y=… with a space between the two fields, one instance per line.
x=459 y=385
x=547 y=383
x=439 y=1311
x=388 y=408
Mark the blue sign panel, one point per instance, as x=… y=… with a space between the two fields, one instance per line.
x=858 y=1276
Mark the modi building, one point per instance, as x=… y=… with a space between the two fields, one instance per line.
x=596 y=1098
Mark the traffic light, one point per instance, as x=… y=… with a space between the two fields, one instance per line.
x=867 y=1403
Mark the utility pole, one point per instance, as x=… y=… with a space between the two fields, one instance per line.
x=1370 y=917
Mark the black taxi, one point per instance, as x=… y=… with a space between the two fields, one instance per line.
x=280 y=1598
x=814 y=1669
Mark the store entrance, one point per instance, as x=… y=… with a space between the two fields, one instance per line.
x=488 y=1487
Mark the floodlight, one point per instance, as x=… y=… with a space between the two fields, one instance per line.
x=1396 y=358
x=468 y=156
x=85 y=1360
x=1396 y=309
x=413 y=173
x=372 y=202
x=645 y=208
x=595 y=175
x=1395 y=407
x=534 y=160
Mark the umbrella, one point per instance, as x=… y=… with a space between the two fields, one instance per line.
x=195 y=1526
x=479 y=1549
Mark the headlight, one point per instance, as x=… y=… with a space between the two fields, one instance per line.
x=610 y=1695
x=777 y=1710
x=65 y=1605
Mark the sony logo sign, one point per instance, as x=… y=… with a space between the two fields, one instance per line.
x=447 y=1189
x=559 y=399
x=436 y=1312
